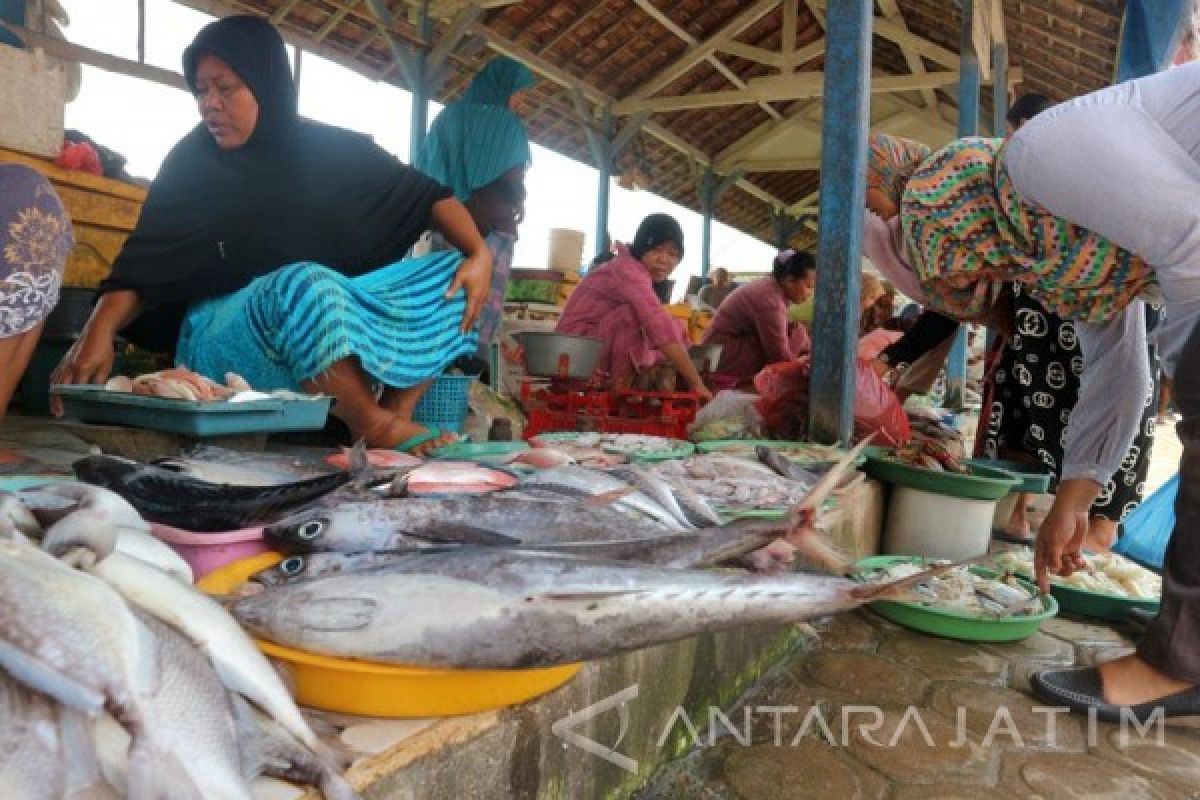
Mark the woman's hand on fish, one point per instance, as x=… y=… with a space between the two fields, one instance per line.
x=475 y=275
x=90 y=360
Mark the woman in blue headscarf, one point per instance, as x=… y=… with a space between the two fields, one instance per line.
x=479 y=148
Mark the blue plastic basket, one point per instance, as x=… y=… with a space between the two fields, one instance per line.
x=446 y=404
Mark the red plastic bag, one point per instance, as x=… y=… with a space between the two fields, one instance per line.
x=80 y=156
x=783 y=403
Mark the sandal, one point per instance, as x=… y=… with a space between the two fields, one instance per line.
x=429 y=435
x=1081 y=690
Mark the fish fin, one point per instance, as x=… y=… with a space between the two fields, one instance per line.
x=466 y=534
x=830 y=480
x=83 y=778
x=40 y=676
x=85 y=529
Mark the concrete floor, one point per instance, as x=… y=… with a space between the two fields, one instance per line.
x=877 y=712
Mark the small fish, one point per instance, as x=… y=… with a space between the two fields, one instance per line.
x=583 y=481
x=653 y=487
x=452 y=477
x=785 y=466
x=161 y=495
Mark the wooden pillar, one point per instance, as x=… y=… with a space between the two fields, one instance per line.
x=968 y=125
x=839 y=233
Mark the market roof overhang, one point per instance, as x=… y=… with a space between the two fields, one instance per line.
x=735 y=86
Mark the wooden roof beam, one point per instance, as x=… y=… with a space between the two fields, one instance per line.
x=778 y=88
x=916 y=64
x=919 y=45
x=703 y=49
x=712 y=59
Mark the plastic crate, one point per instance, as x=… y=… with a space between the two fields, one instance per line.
x=446 y=403
x=546 y=421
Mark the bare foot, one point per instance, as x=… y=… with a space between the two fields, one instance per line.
x=1101 y=535
x=1018 y=523
x=388 y=430
x=1130 y=681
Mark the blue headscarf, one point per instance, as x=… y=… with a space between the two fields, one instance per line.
x=476 y=139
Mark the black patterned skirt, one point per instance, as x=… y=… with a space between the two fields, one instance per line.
x=1034 y=388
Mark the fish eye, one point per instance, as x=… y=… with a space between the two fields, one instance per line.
x=292 y=566
x=310 y=530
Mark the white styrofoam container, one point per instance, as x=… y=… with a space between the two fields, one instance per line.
x=32 y=102
x=936 y=525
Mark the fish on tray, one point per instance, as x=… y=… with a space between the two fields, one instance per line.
x=180 y=383
x=452 y=477
x=500 y=608
x=172 y=498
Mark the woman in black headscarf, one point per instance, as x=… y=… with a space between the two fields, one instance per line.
x=271 y=245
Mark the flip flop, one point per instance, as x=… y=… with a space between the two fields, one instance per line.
x=429 y=435
x=1012 y=538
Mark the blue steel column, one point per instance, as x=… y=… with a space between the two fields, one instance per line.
x=839 y=237
x=708 y=190
x=604 y=157
x=968 y=125
x=419 y=121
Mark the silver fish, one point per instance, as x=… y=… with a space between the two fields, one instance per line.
x=493 y=519
x=31 y=762
x=705 y=548
x=19 y=515
x=239 y=663
x=653 y=487
x=495 y=608
x=787 y=468
x=586 y=482
x=68 y=635
x=195 y=720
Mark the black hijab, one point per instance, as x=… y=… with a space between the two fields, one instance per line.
x=296 y=191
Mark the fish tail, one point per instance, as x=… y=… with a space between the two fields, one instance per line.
x=815 y=546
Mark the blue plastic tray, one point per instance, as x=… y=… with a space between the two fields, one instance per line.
x=215 y=418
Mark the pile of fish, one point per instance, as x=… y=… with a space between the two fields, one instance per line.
x=119 y=679
x=961 y=590
x=735 y=483
x=1107 y=573
x=180 y=383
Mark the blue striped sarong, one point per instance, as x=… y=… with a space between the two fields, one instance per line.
x=293 y=324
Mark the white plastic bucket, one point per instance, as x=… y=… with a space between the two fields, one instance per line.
x=566 y=249
x=937 y=525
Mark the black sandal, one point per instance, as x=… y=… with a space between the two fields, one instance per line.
x=1081 y=690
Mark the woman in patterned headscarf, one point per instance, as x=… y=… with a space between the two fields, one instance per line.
x=35 y=239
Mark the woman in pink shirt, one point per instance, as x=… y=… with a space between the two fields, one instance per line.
x=752 y=324
x=616 y=302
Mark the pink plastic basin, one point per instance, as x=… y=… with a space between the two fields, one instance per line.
x=205 y=552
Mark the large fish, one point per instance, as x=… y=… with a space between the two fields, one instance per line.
x=586 y=482
x=162 y=495
x=493 y=519
x=706 y=548
x=68 y=635
x=496 y=608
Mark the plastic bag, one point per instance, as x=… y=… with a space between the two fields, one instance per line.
x=729 y=415
x=1148 y=527
x=783 y=403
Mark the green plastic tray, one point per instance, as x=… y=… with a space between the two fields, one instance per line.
x=955 y=624
x=1029 y=478
x=480 y=451
x=679 y=448
x=1097 y=605
x=97 y=405
x=15 y=483
x=987 y=483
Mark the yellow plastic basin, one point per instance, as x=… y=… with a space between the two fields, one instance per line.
x=387 y=690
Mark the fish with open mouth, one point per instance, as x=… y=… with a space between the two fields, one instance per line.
x=165 y=496
x=498 y=608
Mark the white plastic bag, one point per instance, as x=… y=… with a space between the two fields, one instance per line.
x=729 y=415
